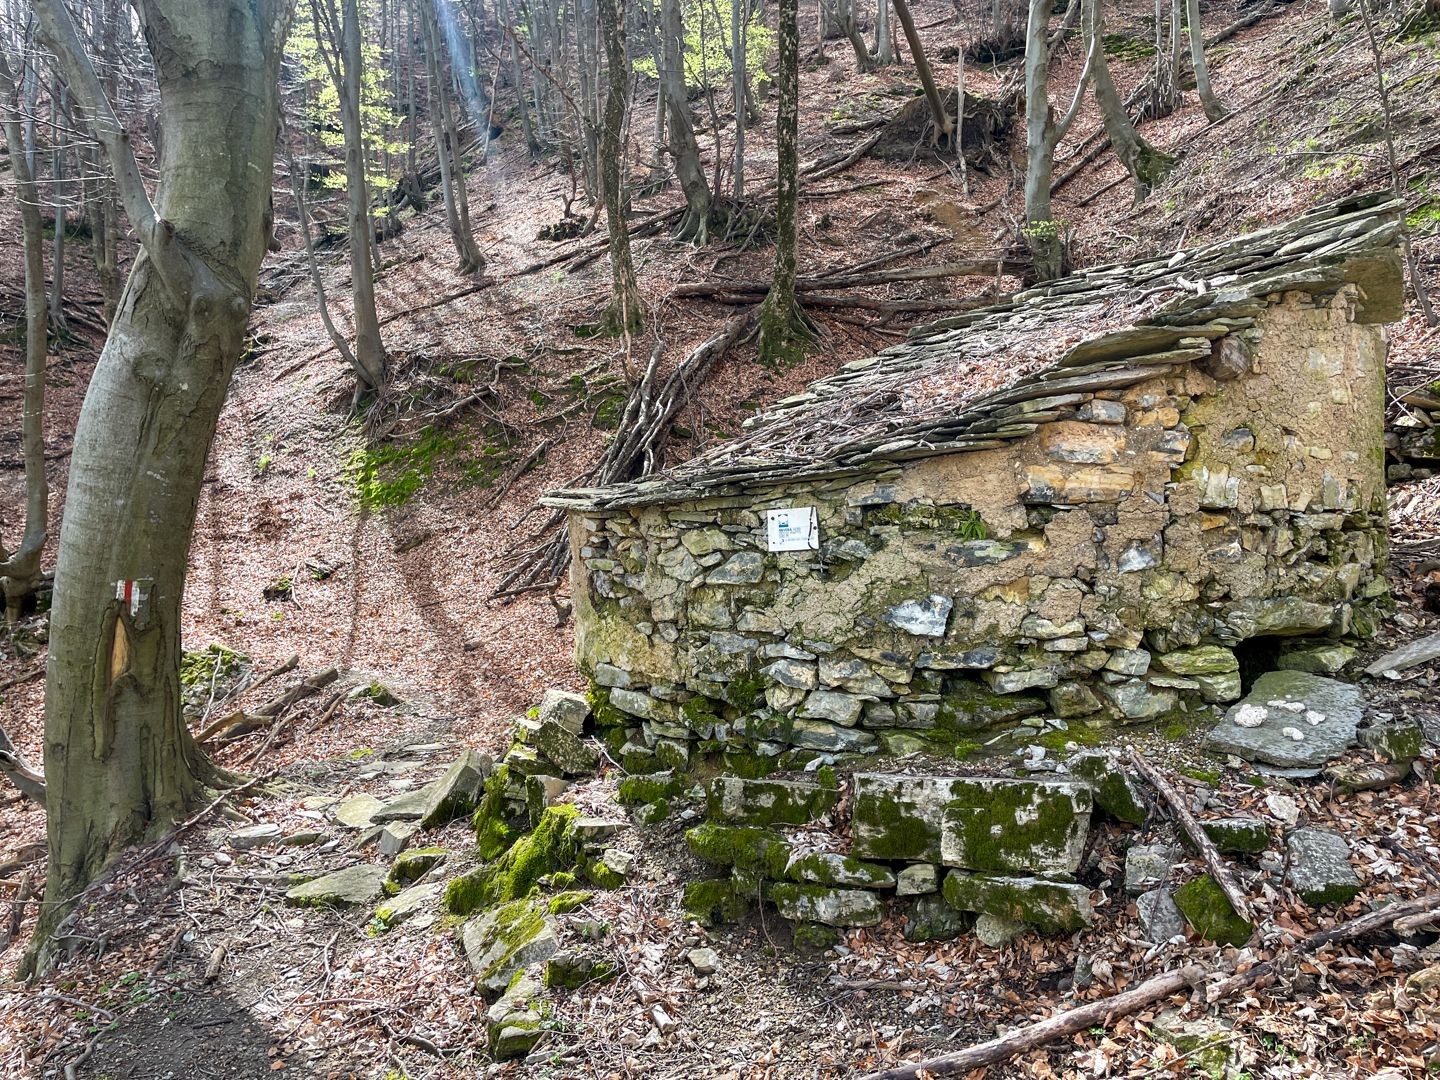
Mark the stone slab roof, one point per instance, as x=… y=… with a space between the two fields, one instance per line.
x=973 y=381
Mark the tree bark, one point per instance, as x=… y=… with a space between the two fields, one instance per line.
x=1146 y=165
x=1042 y=134
x=739 y=77
x=59 y=110
x=337 y=35
x=1214 y=109
x=781 y=329
x=625 y=313
x=447 y=145
x=944 y=126
x=20 y=571
x=120 y=764
x=684 y=150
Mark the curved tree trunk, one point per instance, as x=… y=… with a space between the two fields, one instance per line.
x=1214 y=110
x=1146 y=165
x=20 y=571
x=683 y=148
x=625 y=314
x=120 y=764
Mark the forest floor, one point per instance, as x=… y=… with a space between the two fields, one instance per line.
x=381 y=555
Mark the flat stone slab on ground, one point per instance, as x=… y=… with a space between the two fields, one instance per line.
x=1290 y=719
x=1319 y=867
x=356 y=812
x=398 y=908
x=407 y=807
x=254 y=836
x=342 y=888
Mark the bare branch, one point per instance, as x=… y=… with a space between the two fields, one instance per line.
x=57 y=30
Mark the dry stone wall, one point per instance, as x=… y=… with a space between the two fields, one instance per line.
x=1108 y=565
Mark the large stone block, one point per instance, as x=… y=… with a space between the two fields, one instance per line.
x=1050 y=906
x=1290 y=719
x=980 y=823
x=828 y=905
x=767 y=802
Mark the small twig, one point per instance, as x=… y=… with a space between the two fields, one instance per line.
x=1219 y=869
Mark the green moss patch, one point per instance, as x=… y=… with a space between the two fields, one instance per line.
x=1205 y=907
x=741 y=846
x=551 y=848
x=714 y=901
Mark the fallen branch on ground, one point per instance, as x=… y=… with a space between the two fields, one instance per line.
x=985 y=268
x=644 y=425
x=1219 y=869
x=241 y=722
x=1106 y=1011
x=20 y=680
x=28 y=780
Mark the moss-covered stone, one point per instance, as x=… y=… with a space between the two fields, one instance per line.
x=714 y=901
x=566 y=902
x=505 y=940
x=1114 y=792
x=1050 y=906
x=738 y=801
x=639 y=790
x=342 y=888
x=1238 y=835
x=1399 y=741
x=748 y=764
x=410 y=866
x=551 y=847
x=930 y=918
x=747 y=847
x=1205 y=907
x=571 y=970
x=814 y=937
x=495 y=825
x=1015 y=826
x=827 y=904
x=969 y=706
x=830 y=868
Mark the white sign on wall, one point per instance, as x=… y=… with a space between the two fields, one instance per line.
x=793 y=529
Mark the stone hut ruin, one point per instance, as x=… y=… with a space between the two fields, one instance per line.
x=1103 y=501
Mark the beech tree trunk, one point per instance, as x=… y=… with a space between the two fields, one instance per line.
x=20 y=571
x=119 y=762
x=447 y=151
x=884 y=38
x=1146 y=165
x=781 y=330
x=1042 y=134
x=1214 y=109
x=337 y=35
x=684 y=150
x=625 y=314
